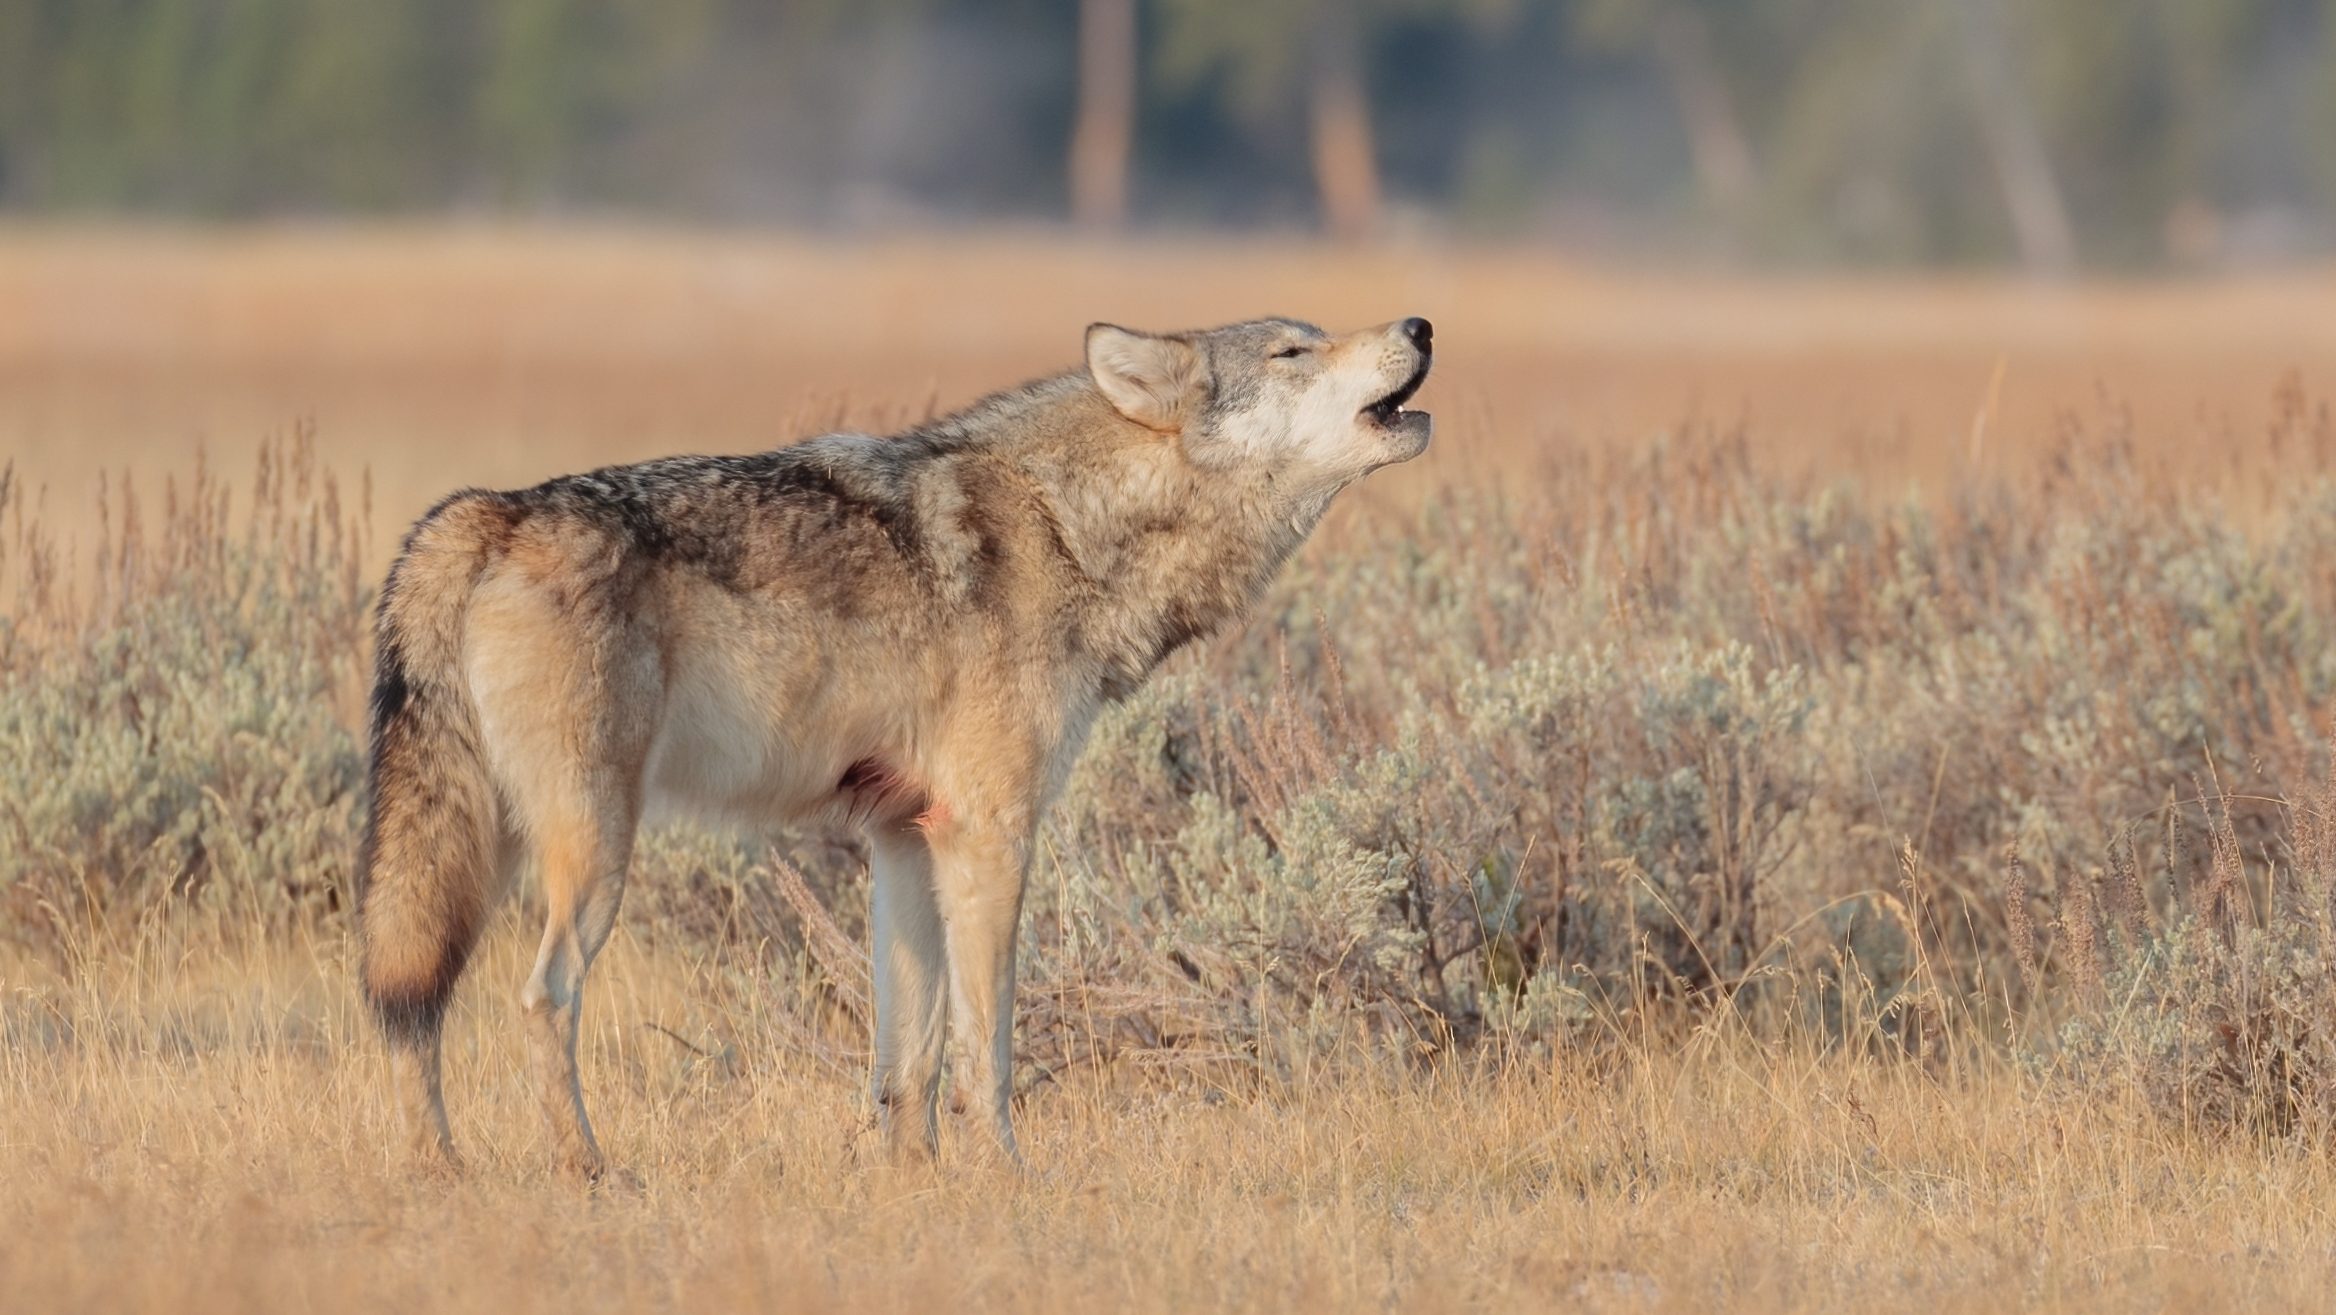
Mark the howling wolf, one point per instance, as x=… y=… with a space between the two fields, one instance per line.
x=909 y=634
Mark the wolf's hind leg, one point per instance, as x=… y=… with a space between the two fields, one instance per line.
x=583 y=864
x=416 y=1050
x=414 y=1071
x=911 y=972
x=425 y=886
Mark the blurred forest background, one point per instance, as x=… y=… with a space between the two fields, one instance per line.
x=2053 y=134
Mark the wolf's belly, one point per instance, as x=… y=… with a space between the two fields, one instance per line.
x=745 y=753
x=729 y=764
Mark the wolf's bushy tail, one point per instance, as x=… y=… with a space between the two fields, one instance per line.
x=426 y=873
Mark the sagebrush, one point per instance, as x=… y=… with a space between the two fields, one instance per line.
x=1657 y=739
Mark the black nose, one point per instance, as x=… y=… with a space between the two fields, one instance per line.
x=1421 y=333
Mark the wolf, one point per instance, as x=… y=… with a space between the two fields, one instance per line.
x=906 y=634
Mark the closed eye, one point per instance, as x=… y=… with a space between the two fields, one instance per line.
x=1289 y=353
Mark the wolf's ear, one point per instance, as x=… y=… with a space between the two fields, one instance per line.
x=1149 y=379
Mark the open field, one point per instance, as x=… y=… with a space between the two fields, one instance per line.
x=1589 y=885
x=500 y=357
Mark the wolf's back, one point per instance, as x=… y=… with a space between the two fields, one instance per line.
x=426 y=869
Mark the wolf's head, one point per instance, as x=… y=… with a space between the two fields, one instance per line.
x=1307 y=410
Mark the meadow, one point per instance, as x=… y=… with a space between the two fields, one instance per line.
x=1815 y=792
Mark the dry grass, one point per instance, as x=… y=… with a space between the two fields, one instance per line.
x=1583 y=889
x=192 y=1130
x=500 y=357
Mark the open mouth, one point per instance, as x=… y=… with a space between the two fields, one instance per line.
x=1387 y=408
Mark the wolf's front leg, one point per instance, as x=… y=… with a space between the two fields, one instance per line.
x=911 y=973
x=980 y=868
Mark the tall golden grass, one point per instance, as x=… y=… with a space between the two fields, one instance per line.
x=1811 y=795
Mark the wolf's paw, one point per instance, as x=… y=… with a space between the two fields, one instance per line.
x=435 y=1160
x=612 y=1182
x=591 y=1171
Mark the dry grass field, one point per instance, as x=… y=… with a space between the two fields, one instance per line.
x=501 y=357
x=1813 y=795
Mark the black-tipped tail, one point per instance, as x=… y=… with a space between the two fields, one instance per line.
x=425 y=871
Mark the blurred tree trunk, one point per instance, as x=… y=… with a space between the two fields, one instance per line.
x=2015 y=145
x=1715 y=136
x=1103 y=139
x=1346 y=167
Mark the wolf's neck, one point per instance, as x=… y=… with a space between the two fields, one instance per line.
x=1172 y=555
